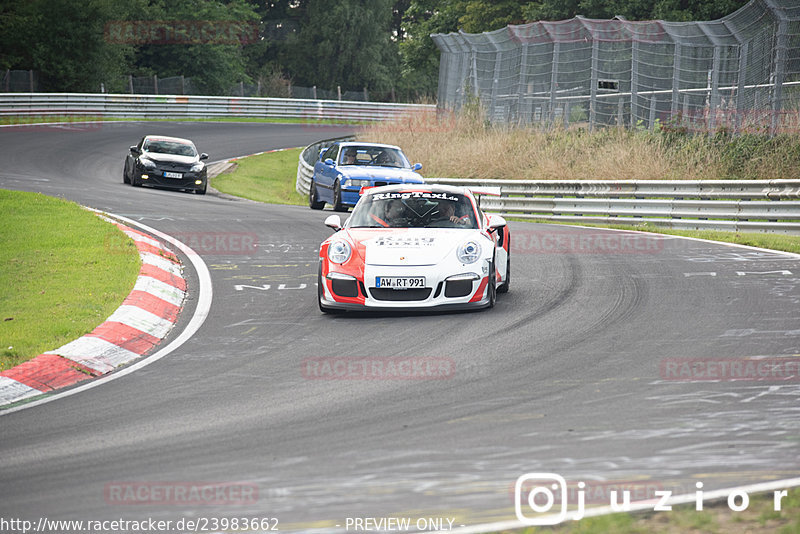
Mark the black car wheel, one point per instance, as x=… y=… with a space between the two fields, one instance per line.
x=313 y=203
x=203 y=190
x=492 y=289
x=337 y=197
x=125 y=179
x=507 y=284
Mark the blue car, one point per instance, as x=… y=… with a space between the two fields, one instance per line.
x=345 y=167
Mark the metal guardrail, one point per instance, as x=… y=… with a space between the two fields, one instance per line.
x=727 y=205
x=169 y=107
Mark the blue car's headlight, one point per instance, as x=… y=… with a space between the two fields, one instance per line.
x=352 y=182
x=469 y=252
x=339 y=251
x=147 y=163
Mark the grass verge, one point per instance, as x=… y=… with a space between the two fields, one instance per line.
x=269 y=177
x=715 y=518
x=64 y=272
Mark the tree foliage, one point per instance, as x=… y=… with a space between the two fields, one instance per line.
x=381 y=45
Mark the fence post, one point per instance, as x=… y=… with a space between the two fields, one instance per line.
x=130 y=83
x=155 y=84
x=30 y=80
x=8 y=80
x=554 y=83
x=339 y=91
x=183 y=85
x=314 y=91
x=634 y=81
x=780 y=63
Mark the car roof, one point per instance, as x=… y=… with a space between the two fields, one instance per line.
x=433 y=188
x=167 y=138
x=376 y=145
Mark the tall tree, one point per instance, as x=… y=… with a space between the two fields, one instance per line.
x=344 y=43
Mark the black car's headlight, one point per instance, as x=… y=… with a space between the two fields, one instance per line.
x=198 y=167
x=147 y=163
x=352 y=182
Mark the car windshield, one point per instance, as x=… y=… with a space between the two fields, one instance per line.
x=373 y=155
x=414 y=209
x=162 y=146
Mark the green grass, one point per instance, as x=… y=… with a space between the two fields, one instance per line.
x=715 y=518
x=269 y=177
x=64 y=271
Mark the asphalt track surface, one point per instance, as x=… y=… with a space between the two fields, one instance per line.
x=565 y=375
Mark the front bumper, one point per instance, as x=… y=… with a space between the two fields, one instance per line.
x=188 y=179
x=438 y=293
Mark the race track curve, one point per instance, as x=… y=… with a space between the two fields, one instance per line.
x=573 y=372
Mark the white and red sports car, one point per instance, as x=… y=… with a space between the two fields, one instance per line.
x=417 y=246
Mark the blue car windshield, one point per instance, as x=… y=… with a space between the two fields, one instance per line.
x=414 y=209
x=373 y=155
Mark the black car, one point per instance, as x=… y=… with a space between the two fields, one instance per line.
x=168 y=162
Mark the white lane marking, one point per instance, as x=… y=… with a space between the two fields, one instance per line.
x=687 y=275
x=745 y=273
x=204 y=299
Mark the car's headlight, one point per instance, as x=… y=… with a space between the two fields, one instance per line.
x=351 y=182
x=469 y=252
x=197 y=167
x=339 y=251
x=147 y=163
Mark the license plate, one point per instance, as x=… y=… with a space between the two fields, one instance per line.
x=399 y=282
x=172 y=175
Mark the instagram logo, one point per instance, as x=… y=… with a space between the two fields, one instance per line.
x=541 y=498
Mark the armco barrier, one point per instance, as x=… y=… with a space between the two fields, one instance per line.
x=728 y=205
x=173 y=107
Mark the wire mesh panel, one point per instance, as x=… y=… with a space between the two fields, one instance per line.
x=740 y=73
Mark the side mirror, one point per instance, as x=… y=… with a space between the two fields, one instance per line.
x=203 y=156
x=328 y=161
x=495 y=222
x=334 y=222
x=416 y=167
x=135 y=150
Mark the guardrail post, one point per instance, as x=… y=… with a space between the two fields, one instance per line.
x=155 y=84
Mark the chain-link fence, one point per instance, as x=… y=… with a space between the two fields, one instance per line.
x=740 y=73
x=19 y=81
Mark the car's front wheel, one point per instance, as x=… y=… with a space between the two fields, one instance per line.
x=337 y=197
x=125 y=179
x=202 y=191
x=507 y=284
x=491 y=288
x=313 y=203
